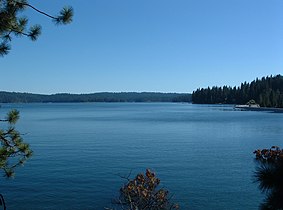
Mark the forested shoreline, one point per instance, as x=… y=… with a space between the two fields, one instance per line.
x=14 y=97
x=267 y=92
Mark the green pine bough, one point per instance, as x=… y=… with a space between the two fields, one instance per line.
x=14 y=25
x=269 y=176
x=13 y=151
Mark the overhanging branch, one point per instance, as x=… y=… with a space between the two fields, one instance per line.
x=39 y=11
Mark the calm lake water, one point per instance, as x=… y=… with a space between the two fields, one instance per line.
x=202 y=154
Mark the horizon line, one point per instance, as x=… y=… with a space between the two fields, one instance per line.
x=114 y=92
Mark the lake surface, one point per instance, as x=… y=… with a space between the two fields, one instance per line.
x=201 y=153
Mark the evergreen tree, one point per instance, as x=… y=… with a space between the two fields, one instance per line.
x=269 y=175
x=13 y=151
x=12 y=24
x=267 y=92
x=143 y=192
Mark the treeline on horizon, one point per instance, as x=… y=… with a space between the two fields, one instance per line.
x=13 y=97
x=267 y=92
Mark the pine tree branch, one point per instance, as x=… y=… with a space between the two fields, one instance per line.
x=37 y=10
x=5 y=141
x=19 y=32
x=3 y=202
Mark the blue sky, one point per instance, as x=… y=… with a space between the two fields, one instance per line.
x=147 y=45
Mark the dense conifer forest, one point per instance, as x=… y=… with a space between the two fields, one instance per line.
x=12 y=97
x=267 y=92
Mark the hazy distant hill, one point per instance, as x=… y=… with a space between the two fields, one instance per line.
x=13 y=97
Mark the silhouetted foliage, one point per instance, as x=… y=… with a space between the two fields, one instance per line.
x=13 y=151
x=2 y=202
x=11 y=24
x=267 y=92
x=8 y=97
x=143 y=193
x=269 y=175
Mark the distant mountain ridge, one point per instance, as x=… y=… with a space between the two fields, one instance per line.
x=16 y=97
